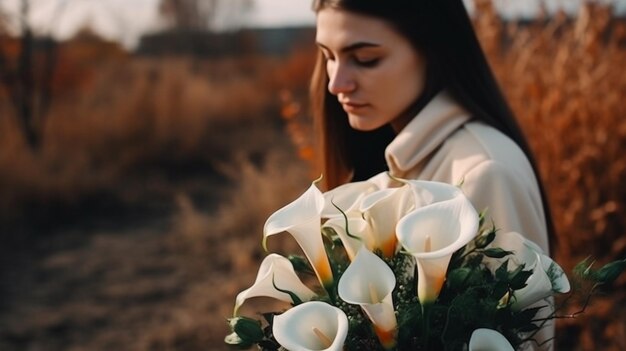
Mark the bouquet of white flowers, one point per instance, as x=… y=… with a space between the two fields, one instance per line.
x=405 y=268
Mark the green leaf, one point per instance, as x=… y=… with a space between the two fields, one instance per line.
x=583 y=268
x=499 y=289
x=496 y=252
x=524 y=317
x=481 y=218
x=609 y=272
x=301 y=264
x=502 y=272
x=479 y=276
x=519 y=277
x=247 y=329
x=485 y=239
x=456 y=278
x=473 y=261
x=455 y=260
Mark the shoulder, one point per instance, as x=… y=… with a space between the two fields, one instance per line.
x=483 y=158
x=494 y=174
x=500 y=179
x=485 y=149
x=487 y=140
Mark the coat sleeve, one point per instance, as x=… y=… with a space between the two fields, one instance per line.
x=514 y=204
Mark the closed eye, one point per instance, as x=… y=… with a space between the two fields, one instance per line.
x=367 y=63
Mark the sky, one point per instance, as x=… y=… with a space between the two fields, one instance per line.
x=127 y=20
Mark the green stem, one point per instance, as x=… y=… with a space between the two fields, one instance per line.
x=426 y=324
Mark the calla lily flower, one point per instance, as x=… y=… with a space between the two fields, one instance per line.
x=354 y=236
x=373 y=223
x=382 y=209
x=433 y=233
x=275 y=272
x=311 y=326
x=302 y=219
x=346 y=197
x=547 y=277
x=488 y=340
x=369 y=282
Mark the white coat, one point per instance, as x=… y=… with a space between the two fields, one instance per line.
x=443 y=143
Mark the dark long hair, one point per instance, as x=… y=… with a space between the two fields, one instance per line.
x=442 y=32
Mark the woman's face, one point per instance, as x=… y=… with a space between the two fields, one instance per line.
x=374 y=72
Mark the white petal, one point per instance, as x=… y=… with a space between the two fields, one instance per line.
x=305 y=208
x=432 y=234
x=369 y=282
x=278 y=270
x=523 y=249
x=382 y=314
x=539 y=284
x=294 y=329
x=366 y=277
x=447 y=225
x=302 y=219
x=384 y=321
x=488 y=340
x=383 y=209
x=347 y=197
x=560 y=284
x=431 y=275
x=429 y=192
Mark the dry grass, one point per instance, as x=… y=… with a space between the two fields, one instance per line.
x=207 y=139
x=566 y=83
x=142 y=117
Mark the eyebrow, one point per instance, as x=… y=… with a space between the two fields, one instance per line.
x=352 y=47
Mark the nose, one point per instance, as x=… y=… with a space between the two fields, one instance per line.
x=340 y=79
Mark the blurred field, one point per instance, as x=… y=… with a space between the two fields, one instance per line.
x=564 y=81
x=139 y=219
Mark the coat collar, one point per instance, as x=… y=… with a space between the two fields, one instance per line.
x=424 y=134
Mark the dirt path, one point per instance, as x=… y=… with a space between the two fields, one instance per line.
x=134 y=286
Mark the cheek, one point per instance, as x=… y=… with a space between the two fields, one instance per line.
x=414 y=85
x=401 y=86
x=412 y=74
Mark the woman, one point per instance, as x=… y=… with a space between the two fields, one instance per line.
x=403 y=85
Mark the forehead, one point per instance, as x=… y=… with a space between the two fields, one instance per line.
x=338 y=28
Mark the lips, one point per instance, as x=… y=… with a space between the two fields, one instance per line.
x=351 y=106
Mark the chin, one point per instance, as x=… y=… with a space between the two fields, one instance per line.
x=363 y=123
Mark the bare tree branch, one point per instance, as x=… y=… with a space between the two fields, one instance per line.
x=27 y=80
